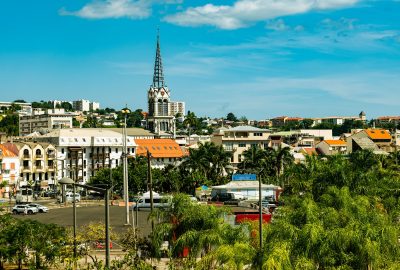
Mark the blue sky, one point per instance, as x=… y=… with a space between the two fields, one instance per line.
x=258 y=58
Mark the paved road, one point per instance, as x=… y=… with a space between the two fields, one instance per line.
x=86 y=213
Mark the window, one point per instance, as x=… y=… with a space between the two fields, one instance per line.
x=258 y=134
x=83 y=139
x=116 y=150
x=242 y=145
x=62 y=150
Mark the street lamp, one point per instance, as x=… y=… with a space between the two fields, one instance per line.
x=125 y=112
x=260 y=213
x=69 y=181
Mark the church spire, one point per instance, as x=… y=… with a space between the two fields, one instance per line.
x=158 y=77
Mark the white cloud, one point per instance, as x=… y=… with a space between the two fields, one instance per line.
x=245 y=12
x=103 y=9
x=277 y=25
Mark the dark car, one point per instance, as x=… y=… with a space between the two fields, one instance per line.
x=226 y=198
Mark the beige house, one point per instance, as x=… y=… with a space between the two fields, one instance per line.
x=239 y=139
x=37 y=164
x=332 y=147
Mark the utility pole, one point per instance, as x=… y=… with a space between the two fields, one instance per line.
x=150 y=182
x=260 y=219
x=125 y=167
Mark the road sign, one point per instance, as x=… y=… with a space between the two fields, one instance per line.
x=244 y=177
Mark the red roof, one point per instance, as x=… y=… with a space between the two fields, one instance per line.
x=335 y=142
x=378 y=134
x=159 y=148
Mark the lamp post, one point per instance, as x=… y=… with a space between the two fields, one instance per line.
x=69 y=181
x=150 y=183
x=260 y=215
x=106 y=191
x=125 y=112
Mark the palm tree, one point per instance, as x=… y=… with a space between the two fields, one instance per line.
x=283 y=158
x=190 y=121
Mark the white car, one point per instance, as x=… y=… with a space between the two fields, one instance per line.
x=40 y=208
x=24 y=209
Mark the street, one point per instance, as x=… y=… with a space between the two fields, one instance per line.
x=86 y=213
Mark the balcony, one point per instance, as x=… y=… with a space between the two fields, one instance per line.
x=26 y=168
x=51 y=168
x=26 y=156
x=39 y=156
x=51 y=156
x=39 y=168
x=230 y=149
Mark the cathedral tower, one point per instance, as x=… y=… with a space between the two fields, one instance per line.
x=160 y=119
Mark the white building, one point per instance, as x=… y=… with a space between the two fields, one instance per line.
x=81 y=105
x=9 y=169
x=50 y=119
x=94 y=106
x=82 y=152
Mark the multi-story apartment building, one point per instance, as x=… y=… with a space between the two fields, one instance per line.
x=94 y=106
x=82 y=152
x=81 y=105
x=239 y=139
x=332 y=147
x=36 y=163
x=46 y=120
x=84 y=105
x=9 y=170
x=177 y=107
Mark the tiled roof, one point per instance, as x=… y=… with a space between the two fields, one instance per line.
x=159 y=148
x=6 y=152
x=335 y=142
x=376 y=134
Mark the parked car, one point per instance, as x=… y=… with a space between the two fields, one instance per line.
x=24 y=209
x=229 y=198
x=40 y=208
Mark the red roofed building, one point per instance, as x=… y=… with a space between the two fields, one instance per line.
x=9 y=168
x=283 y=120
x=332 y=147
x=372 y=138
x=163 y=151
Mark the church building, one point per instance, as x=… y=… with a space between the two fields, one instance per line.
x=161 y=110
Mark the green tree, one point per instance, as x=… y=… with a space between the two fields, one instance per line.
x=231 y=117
